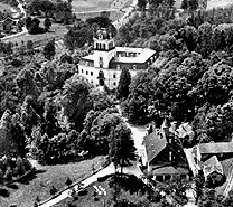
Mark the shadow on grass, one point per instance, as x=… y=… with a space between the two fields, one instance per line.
x=13 y=186
x=4 y=193
x=129 y=183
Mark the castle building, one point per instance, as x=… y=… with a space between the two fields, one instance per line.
x=111 y=59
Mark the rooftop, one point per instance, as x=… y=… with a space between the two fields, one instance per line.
x=154 y=144
x=89 y=57
x=170 y=170
x=145 y=54
x=211 y=165
x=216 y=147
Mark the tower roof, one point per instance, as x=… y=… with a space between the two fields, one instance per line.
x=104 y=33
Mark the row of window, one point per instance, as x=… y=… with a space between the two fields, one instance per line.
x=114 y=75
x=119 y=67
x=103 y=46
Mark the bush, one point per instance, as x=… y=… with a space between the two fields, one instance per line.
x=68 y=182
x=1 y=177
x=9 y=174
x=27 y=165
x=53 y=190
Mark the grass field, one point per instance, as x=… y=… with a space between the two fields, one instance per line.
x=88 y=201
x=91 y=5
x=55 y=30
x=25 y=195
x=210 y=3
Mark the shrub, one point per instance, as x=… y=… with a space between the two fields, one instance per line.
x=68 y=181
x=27 y=165
x=53 y=190
x=1 y=177
x=8 y=174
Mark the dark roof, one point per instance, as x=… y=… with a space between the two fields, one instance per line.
x=170 y=170
x=154 y=144
x=215 y=147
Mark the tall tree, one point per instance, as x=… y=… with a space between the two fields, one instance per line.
x=142 y=5
x=122 y=146
x=47 y=24
x=77 y=100
x=125 y=80
x=50 y=49
x=101 y=78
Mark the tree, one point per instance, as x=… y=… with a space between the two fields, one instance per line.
x=50 y=49
x=29 y=46
x=184 y=4
x=9 y=48
x=26 y=82
x=28 y=22
x=101 y=78
x=101 y=100
x=142 y=5
x=47 y=24
x=14 y=3
x=19 y=25
x=122 y=146
x=77 y=100
x=78 y=35
x=102 y=125
x=193 y=4
x=19 y=136
x=34 y=6
x=125 y=80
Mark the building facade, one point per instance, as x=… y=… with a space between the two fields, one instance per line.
x=111 y=59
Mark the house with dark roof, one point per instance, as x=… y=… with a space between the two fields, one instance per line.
x=163 y=155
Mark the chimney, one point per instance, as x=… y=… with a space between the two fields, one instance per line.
x=165 y=129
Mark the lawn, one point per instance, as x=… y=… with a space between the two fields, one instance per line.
x=87 y=199
x=53 y=32
x=25 y=195
x=91 y=5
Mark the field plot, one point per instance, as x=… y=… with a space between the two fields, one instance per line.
x=210 y=3
x=91 y=5
x=49 y=176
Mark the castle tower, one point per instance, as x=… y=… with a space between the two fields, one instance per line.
x=104 y=48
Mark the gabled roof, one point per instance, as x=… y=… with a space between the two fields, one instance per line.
x=215 y=147
x=211 y=165
x=154 y=144
x=169 y=171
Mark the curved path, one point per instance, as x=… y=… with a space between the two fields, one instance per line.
x=137 y=135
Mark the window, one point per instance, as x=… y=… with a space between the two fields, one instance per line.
x=114 y=75
x=14 y=23
x=91 y=73
x=16 y=44
x=86 y=73
x=134 y=67
x=21 y=41
x=82 y=70
x=114 y=83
